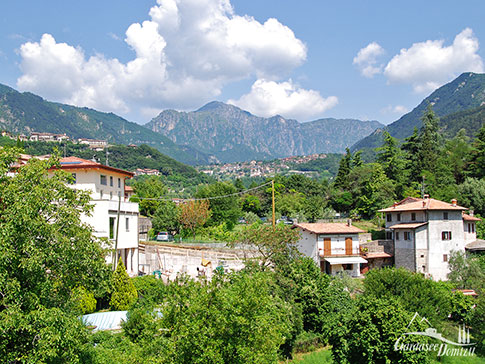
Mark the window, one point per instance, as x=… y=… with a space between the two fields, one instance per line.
x=102 y=180
x=473 y=228
x=445 y=216
x=398 y=217
x=389 y=235
x=112 y=227
x=407 y=235
x=413 y=216
x=111 y=181
x=446 y=235
x=397 y=235
x=445 y=257
x=389 y=217
x=127 y=224
x=119 y=182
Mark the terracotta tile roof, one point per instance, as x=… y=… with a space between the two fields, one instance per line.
x=376 y=255
x=408 y=226
x=419 y=204
x=329 y=228
x=467 y=217
x=70 y=163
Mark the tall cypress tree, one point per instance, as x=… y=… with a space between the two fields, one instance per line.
x=345 y=166
x=477 y=163
x=429 y=141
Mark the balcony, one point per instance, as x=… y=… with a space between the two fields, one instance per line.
x=338 y=252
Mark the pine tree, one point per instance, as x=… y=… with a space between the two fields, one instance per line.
x=124 y=292
x=429 y=141
x=344 y=169
x=477 y=163
x=390 y=157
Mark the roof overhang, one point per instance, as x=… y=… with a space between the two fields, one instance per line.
x=408 y=226
x=345 y=260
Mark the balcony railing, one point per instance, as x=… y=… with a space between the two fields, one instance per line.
x=335 y=252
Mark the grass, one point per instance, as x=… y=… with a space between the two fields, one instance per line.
x=460 y=360
x=320 y=356
x=324 y=356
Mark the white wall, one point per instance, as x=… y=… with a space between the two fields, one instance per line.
x=338 y=243
x=307 y=245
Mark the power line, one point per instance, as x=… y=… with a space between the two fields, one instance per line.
x=207 y=198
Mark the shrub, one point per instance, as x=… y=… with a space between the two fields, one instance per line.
x=82 y=300
x=124 y=292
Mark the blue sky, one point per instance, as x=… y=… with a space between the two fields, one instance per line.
x=298 y=59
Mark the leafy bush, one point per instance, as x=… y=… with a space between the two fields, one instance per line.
x=124 y=292
x=150 y=289
x=368 y=333
x=415 y=292
x=82 y=300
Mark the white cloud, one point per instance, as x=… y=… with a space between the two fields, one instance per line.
x=184 y=55
x=366 y=59
x=428 y=65
x=396 y=109
x=268 y=98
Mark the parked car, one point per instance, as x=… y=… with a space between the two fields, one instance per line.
x=164 y=236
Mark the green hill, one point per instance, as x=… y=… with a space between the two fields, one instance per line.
x=26 y=112
x=466 y=92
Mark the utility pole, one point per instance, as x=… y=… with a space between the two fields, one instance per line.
x=115 y=262
x=272 y=188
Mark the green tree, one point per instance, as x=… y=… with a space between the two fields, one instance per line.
x=251 y=203
x=124 y=292
x=467 y=272
x=477 y=162
x=276 y=245
x=416 y=294
x=166 y=217
x=390 y=157
x=345 y=167
x=429 y=141
x=150 y=187
x=472 y=194
x=45 y=251
x=83 y=301
x=223 y=209
x=369 y=332
x=45 y=248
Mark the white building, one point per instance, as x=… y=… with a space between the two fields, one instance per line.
x=107 y=187
x=333 y=246
x=425 y=232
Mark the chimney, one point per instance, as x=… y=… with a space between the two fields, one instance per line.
x=471 y=213
x=453 y=202
x=395 y=204
x=349 y=222
x=426 y=197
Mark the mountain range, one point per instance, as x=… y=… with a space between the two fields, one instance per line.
x=458 y=104
x=26 y=112
x=219 y=132
x=232 y=134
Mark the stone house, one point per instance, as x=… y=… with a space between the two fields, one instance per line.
x=333 y=246
x=425 y=232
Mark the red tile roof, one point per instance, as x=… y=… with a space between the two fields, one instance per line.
x=70 y=163
x=408 y=226
x=329 y=228
x=419 y=204
x=376 y=255
x=467 y=217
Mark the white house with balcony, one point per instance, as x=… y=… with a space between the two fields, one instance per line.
x=113 y=215
x=333 y=246
x=426 y=231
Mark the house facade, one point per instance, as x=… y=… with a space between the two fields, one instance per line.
x=113 y=215
x=333 y=246
x=425 y=231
